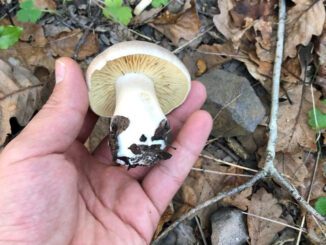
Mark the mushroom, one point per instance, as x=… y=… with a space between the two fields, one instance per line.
x=137 y=83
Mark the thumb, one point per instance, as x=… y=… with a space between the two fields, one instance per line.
x=57 y=124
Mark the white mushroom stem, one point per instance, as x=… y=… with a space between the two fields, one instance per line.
x=141 y=6
x=136 y=100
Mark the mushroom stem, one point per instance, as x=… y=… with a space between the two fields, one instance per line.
x=138 y=129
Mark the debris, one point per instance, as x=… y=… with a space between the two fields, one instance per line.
x=185 y=26
x=64 y=43
x=182 y=234
x=19 y=96
x=304 y=20
x=265 y=205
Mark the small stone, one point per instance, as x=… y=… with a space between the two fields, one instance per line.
x=228 y=227
x=182 y=234
x=175 y=6
x=232 y=102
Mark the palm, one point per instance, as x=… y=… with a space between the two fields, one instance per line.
x=53 y=191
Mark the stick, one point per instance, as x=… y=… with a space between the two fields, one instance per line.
x=209 y=202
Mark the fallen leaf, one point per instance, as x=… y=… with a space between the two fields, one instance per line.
x=199 y=187
x=294 y=134
x=319 y=184
x=185 y=26
x=165 y=218
x=201 y=67
x=240 y=200
x=263 y=204
x=316 y=233
x=99 y=132
x=19 y=96
x=65 y=43
x=251 y=9
x=292 y=166
x=224 y=24
x=212 y=55
x=303 y=21
x=265 y=40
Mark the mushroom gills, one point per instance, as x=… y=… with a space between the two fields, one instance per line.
x=139 y=129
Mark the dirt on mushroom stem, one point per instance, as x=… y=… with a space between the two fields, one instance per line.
x=139 y=130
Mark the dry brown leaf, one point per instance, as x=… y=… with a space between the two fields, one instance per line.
x=293 y=166
x=186 y=26
x=316 y=233
x=166 y=217
x=224 y=24
x=99 y=132
x=321 y=52
x=263 y=204
x=33 y=33
x=199 y=187
x=201 y=67
x=19 y=96
x=240 y=200
x=293 y=130
x=65 y=43
x=304 y=20
x=318 y=186
x=212 y=55
x=265 y=40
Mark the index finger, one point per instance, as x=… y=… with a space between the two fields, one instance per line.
x=164 y=180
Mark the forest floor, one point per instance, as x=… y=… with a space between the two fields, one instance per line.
x=208 y=36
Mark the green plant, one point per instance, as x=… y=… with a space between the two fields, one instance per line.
x=316 y=118
x=115 y=10
x=9 y=35
x=320 y=205
x=29 y=12
x=159 y=3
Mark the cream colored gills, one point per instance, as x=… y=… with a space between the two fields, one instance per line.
x=136 y=100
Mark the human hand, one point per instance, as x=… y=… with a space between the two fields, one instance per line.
x=53 y=191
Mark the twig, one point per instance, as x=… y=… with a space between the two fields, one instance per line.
x=220 y=173
x=309 y=194
x=142 y=35
x=275 y=221
x=228 y=163
x=200 y=230
x=82 y=40
x=209 y=202
x=229 y=152
x=270 y=151
x=177 y=50
x=20 y=90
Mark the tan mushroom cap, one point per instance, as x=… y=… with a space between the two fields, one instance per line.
x=170 y=77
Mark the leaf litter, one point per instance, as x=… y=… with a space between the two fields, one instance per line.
x=244 y=31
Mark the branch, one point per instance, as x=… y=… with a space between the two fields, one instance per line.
x=270 y=151
x=209 y=202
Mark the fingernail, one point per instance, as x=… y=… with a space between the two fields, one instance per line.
x=60 y=71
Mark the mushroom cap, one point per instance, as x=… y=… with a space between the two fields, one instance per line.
x=171 y=78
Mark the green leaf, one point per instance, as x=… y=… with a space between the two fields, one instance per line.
x=320 y=119
x=29 y=12
x=119 y=14
x=9 y=35
x=113 y=3
x=320 y=205
x=159 y=3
